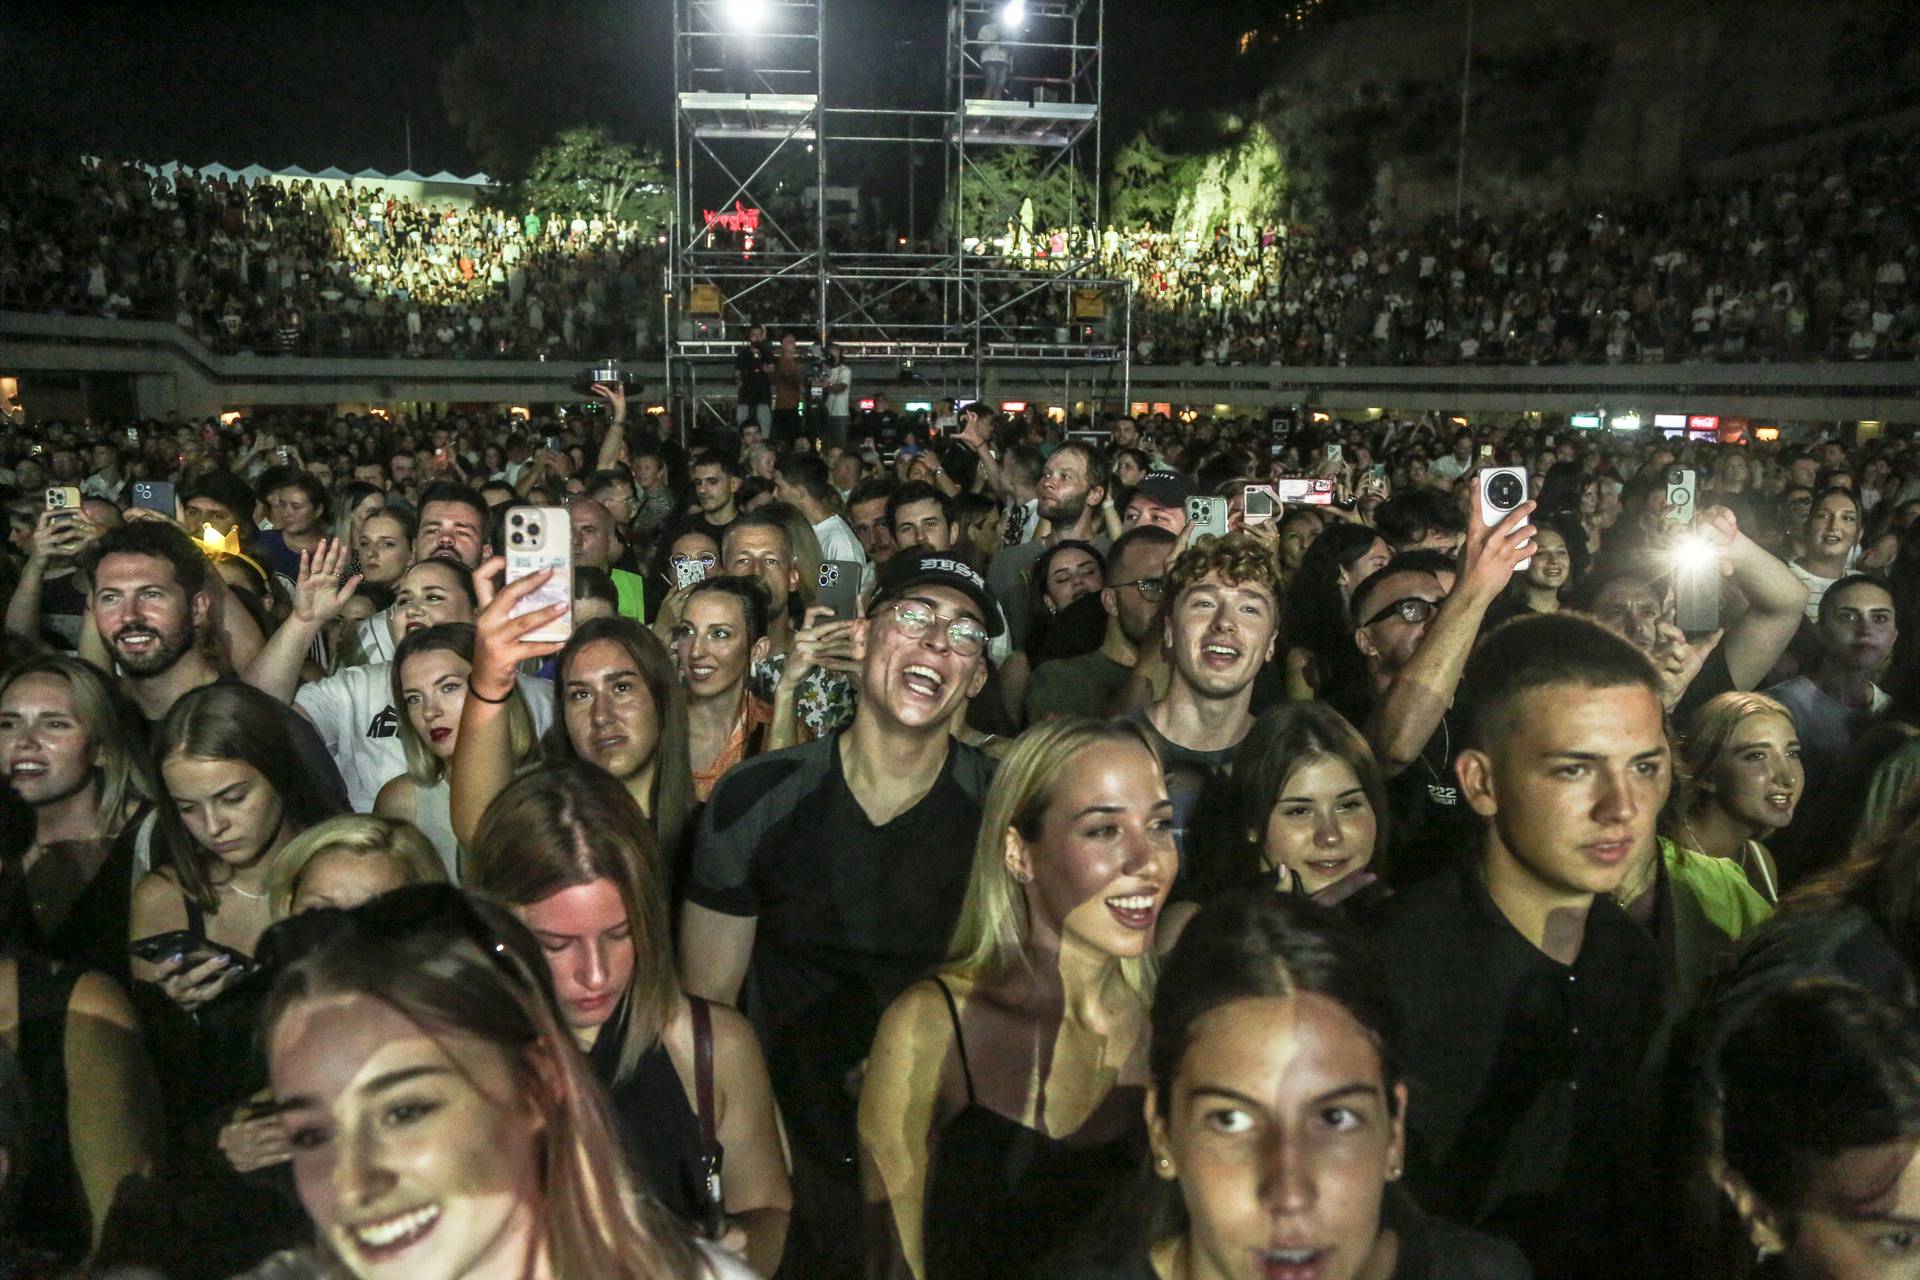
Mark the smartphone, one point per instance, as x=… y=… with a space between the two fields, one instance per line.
x=1334 y=453
x=554 y=444
x=63 y=497
x=154 y=495
x=1315 y=491
x=133 y=435
x=1486 y=453
x=1259 y=504
x=688 y=572
x=163 y=947
x=542 y=538
x=838 y=587
x=1210 y=514
x=1501 y=490
x=1696 y=596
x=1680 y=493
x=1378 y=471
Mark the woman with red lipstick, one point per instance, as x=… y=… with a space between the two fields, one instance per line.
x=1278 y=1113
x=430 y=688
x=1000 y=1111
x=565 y=849
x=441 y=1126
x=722 y=632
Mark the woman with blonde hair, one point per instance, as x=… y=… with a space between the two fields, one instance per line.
x=1740 y=779
x=429 y=678
x=566 y=850
x=414 y=1044
x=1008 y=1087
x=349 y=860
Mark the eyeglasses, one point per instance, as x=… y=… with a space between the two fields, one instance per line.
x=1413 y=611
x=965 y=635
x=704 y=560
x=1150 y=588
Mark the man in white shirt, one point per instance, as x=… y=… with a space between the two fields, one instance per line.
x=801 y=478
x=1457 y=463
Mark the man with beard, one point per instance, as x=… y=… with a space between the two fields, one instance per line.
x=1072 y=489
x=828 y=932
x=151 y=599
x=1219 y=631
x=1083 y=686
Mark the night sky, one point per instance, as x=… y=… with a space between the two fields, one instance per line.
x=299 y=82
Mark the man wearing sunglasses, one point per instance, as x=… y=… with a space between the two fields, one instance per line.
x=1416 y=635
x=1083 y=686
x=827 y=877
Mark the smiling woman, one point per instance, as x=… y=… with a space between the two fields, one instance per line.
x=1000 y=1113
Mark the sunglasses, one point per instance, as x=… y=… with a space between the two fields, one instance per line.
x=1413 y=611
x=402 y=915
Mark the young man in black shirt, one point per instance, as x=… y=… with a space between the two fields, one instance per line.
x=1528 y=996
x=827 y=877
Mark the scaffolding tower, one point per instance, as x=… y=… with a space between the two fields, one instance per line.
x=756 y=141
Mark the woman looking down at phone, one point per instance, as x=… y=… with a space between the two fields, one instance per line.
x=233 y=798
x=620 y=706
x=565 y=851
x=723 y=632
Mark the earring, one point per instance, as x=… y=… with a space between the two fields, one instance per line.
x=1393 y=1174
x=1164 y=1165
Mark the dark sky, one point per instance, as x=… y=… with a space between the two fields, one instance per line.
x=302 y=82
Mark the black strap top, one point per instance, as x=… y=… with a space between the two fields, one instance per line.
x=54 y=1215
x=658 y=1126
x=1002 y=1196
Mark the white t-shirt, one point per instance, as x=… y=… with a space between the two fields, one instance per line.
x=839 y=391
x=354 y=712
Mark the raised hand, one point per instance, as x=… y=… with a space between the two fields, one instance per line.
x=318 y=593
x=499 y=645
x=615 y=398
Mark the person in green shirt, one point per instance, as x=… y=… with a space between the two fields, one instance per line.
x=1741 y=780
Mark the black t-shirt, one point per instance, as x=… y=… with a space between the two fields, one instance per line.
x=1432 y=827
x=750 y=363
x=849 y=914
x=1713 y=678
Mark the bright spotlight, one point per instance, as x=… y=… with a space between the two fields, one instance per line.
x=1013 y=12
x=745 y=15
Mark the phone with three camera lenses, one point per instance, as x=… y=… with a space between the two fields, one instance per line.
x=1501 y=490
x=542 y=538
x=838 y=587
x=1210 y=514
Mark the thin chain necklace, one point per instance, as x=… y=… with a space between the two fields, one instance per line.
x=1740 y=860
x=255 y=897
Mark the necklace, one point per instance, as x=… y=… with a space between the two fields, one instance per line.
x=1626 y=895
x=242 y=892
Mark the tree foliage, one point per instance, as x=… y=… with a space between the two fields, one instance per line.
x=999 y=181
x=585 y=169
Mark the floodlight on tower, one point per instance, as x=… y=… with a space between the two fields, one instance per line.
x=1014 y=13
x=745 y=15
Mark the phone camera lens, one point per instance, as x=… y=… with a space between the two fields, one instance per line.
x=516 y=538
x=1503 y=491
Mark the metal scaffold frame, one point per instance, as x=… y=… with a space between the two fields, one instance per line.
x=747 y=101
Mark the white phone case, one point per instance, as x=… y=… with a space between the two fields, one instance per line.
x=542 y=538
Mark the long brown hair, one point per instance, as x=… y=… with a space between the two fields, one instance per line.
x=446 y=979
x=672 y=797
x=571 y=824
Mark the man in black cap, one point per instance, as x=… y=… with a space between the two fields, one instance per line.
x=827 y=877
x=1159 y=499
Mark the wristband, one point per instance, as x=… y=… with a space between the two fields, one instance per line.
x=492 y=702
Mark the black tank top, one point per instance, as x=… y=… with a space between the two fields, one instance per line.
x=54 y=1215
x=1002 y=1196
x=658 y=1126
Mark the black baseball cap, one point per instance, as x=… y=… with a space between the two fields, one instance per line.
x=912 y=569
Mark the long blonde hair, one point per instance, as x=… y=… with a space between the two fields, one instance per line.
x=990 y=939
x=570 y=824
x=473 y=970
x=124 y=776
x=1708 y=732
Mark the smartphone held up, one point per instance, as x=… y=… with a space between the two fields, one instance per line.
x=540 y=538
x=1502 y=490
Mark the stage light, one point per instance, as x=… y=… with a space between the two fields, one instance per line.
x=1013 y=13
x=745 y=15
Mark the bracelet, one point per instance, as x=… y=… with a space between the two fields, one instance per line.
x=492 y=702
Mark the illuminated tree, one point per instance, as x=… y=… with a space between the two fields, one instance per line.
x=586 y=170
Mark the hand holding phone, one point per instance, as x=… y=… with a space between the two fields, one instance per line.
x=540 y=538
x=838 y=588
x=1207 y=516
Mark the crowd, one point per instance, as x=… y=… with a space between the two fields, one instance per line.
x=1002 y=854
x=312 y=268
x=1811 y=263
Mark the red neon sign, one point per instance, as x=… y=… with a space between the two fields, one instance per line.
x=740 y=218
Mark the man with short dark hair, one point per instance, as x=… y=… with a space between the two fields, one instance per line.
x=753 y=379
x=1528 y=997
x=922 y=517
x=716 y=485
x=827 y=877
x=800 y=479
x=1420 y=518
x=1136 y=584
x=867 y=512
